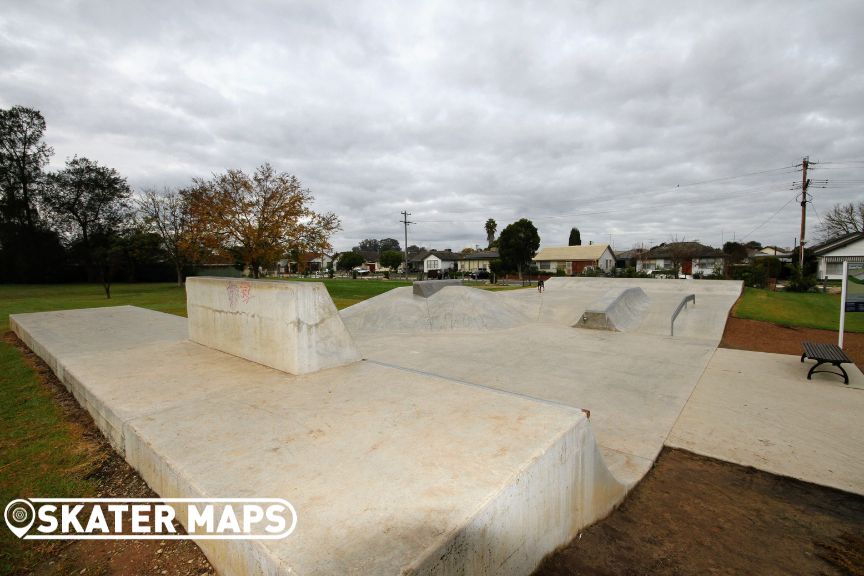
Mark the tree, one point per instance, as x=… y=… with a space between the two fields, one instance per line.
x=89 y=205
x=349 y=260
x=368 y=245
x=753 y=244
x=575 y=238
x=491 y=227
x=388 y=245
x=518 y=243
x=23 y=156
x=842 y=219
x=167 y=214
x=29 y=250
x=260 y=217
x=391 y=259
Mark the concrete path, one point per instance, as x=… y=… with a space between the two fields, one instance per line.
x=759 y=410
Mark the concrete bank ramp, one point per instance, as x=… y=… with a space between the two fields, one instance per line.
x=450 y=309
x=391 y=471
x=619 y=309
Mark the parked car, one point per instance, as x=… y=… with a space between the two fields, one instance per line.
x=479 y=274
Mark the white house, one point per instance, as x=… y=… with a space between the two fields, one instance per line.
x=832 y=253
x=437 y=262
x=574 y=259
x=690 y=258
x=477 y=260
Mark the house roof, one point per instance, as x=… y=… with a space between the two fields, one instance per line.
x=838 y=242
x=482 y=255
x=443 y=255
x=590 y=252
x=632 y=253
x=684 y=250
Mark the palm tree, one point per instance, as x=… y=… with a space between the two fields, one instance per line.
x=491 y=227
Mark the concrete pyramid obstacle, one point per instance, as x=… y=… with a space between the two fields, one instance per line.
x=449 y=308
x=290 y=326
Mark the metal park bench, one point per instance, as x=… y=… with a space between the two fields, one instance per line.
x=826 y=354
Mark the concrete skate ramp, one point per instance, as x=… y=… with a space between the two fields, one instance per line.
x=445 y=478
x=450 y=309
x=426 y=288
x=618 y=309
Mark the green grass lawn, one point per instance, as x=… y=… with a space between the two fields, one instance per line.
x=40 y=452
x=809 y=310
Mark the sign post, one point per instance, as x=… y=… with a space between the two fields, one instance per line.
x=851 y=294
x=843 y=302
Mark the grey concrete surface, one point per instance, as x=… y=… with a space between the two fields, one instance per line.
x=426 y=288
x=619 y=309
x=451 y=309
x=635 y=383
x=290 y=326
x=391 y=471
x=758 y=409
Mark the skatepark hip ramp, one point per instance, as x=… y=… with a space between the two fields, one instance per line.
x=619 y=309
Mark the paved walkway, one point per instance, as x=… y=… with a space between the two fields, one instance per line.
x=759 y=409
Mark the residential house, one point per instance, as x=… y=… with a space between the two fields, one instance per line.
x=307 y=261
x=783 y=254
x=574 y=259
x=690 y=258
x=477 y=260
x=832 y=253
x=629 y=258
x=438 y=262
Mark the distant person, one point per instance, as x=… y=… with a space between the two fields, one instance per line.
x=541 y=286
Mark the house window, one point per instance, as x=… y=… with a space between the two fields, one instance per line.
x=434 y=264
x=544 y=265
x=834 y=268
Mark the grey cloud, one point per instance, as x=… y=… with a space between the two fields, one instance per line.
x=569 y=113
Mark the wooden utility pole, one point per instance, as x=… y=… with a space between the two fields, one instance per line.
x=804 y=185
x=405 y=221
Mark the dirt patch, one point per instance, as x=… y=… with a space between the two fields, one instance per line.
x=114 y=478
x=696 y=515
x=767 y=337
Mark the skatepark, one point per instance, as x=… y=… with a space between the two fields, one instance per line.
x=442 y=431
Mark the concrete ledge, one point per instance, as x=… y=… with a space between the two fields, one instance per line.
x=290 y=326
x=617 y=310
x=427 y=288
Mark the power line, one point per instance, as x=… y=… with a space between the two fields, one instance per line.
x=794 y=198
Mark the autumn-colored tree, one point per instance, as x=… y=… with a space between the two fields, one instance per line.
x=260 y=217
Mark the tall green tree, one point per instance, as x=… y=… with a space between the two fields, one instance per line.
x=518 y=244
x=575 y=238
x=349 y=260
x=90 y=206
x=491 y=228
x=29 y=250
x=389 y=245
x=23 y=156
x=392 y=259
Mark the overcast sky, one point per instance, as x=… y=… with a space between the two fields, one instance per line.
x=600 y=115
